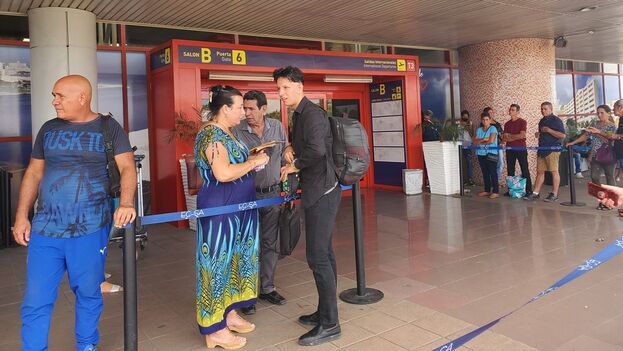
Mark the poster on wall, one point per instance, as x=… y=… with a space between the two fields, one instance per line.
x=15 y=104
x=388 y=132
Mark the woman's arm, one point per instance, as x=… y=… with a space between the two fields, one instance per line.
x=224 y=171
x=580 y=139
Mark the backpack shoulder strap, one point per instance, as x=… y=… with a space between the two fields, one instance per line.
x=108 y=146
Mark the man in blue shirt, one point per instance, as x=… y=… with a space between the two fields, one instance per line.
x=67 y=174
x=551 y=133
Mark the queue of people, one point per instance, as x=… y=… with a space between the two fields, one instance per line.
x=603 y=136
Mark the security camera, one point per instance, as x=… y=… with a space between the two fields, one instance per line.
x=560 y=42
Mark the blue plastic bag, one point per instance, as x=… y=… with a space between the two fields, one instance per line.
x=516 y=186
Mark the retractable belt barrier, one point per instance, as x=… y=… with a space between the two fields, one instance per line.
x=221 y=210
x=598 y=259
x=522 y=148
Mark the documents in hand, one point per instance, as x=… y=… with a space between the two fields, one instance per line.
x=265 y=146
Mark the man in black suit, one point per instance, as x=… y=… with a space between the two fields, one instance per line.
x=310 y=155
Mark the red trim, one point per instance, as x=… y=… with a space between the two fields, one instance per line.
x=15 y=138
x=124 y=81
x=9 y=42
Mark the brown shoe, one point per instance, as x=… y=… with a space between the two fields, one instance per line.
x=494 y=196
x=483 y=193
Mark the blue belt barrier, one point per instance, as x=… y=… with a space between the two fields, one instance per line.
x=221 y=210
x=215 y=211
x=598 y=259
x=552 y=148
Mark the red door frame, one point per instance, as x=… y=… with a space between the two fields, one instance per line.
x=179 y=87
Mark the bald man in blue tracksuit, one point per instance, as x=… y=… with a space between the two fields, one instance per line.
x=67 y=174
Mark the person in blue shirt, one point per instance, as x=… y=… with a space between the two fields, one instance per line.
x=551 y=133
x=487 y=135
x=68 y=178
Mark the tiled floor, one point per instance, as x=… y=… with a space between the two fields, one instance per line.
x=446 y=266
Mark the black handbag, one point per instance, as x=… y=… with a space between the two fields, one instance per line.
x=289 y=228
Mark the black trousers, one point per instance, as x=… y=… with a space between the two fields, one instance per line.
x=269 y=236
x=522 y=157
x=319 y=223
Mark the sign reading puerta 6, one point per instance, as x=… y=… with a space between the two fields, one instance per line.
x=256 y=58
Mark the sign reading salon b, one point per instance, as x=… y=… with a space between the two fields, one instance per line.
x=223 y=56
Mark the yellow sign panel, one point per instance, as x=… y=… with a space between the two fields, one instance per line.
x=401 y=65
x=167 y=56
x=206 y=55
x=240 y=57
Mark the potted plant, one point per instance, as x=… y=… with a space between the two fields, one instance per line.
x=442 y=160
x=185 y=129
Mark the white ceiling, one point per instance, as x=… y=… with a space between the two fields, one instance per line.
x=432 y=23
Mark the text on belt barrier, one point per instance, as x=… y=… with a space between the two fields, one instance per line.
x=598 y=259
x=221 y=210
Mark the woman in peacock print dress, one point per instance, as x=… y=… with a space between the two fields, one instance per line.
x=227 y=245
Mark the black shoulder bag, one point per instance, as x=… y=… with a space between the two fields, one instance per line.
x=114 y=176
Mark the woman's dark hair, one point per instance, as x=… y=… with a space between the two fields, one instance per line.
x=221 y=95
x=605 y=108
x=293 y=74
x=464 y=112
x=485 y=114
x=487 y=110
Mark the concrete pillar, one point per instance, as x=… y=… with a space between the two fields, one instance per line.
x=62 y=42
x=500 y=73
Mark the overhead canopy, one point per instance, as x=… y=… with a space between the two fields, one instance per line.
x=435 y=23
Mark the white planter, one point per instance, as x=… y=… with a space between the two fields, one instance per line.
x=442 y=166
x=191 y=200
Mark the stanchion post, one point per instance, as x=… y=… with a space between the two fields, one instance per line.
x=570 y=172
x=361 y=295
x=130 y=319
x=461 y=165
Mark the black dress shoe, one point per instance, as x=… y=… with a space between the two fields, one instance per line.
x=274 y=298
x=320 y=335
x=310 y=319
x=248 y=310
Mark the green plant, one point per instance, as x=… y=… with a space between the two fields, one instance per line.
x=186 y=127
x=450 y=131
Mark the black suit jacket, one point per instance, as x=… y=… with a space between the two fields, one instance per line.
x=311 y=139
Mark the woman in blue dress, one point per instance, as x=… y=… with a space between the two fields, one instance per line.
x=227 y=245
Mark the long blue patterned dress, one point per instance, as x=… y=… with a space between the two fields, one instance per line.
x=227 y=245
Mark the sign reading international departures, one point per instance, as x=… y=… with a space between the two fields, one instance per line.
x=254 y=58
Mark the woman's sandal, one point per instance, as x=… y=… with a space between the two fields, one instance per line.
x=236 y=343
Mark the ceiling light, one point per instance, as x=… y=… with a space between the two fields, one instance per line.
x=591 y=32
x=347 y=79
x=26 y=40
x=249 y=76
x=587 y=8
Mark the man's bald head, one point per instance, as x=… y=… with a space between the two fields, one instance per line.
x=72 y=98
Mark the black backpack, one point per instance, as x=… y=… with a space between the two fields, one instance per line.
x=351 y=153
